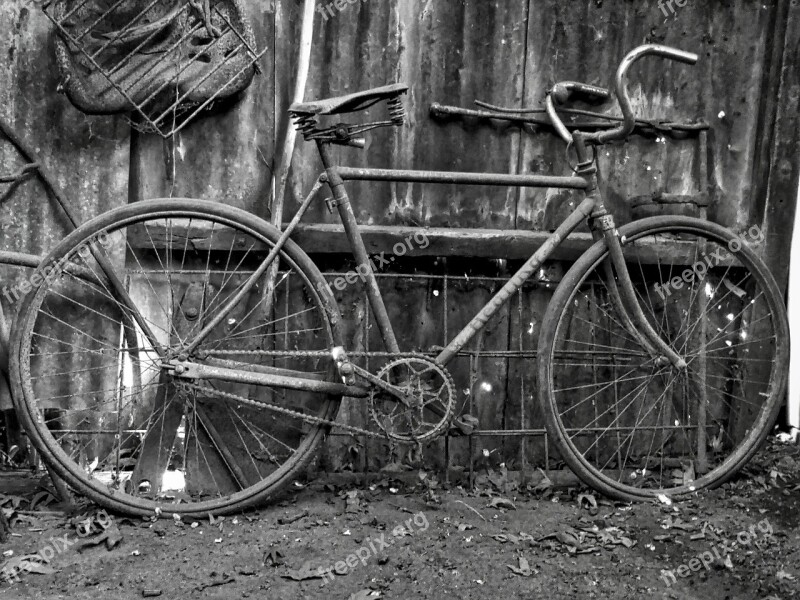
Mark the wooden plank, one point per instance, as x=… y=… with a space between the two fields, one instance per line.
x=783 y=177
x=168 y=407
x=484 y=243
x=385 y=241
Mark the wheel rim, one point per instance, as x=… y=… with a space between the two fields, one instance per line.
x=621 y=386
x=223 y=453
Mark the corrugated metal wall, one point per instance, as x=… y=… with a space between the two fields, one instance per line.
x=450 y=51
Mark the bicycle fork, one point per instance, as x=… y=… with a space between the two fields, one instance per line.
x=623 y=296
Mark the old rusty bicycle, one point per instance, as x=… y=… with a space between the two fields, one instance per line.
x=159 y=369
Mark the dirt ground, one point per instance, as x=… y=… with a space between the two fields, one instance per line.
x=393 y=540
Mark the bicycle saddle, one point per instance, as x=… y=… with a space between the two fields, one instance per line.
x=350 y=102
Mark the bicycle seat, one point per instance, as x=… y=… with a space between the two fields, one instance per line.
x=350 y=102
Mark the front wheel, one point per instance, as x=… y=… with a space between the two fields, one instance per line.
x=627 y=422
x=90 y=346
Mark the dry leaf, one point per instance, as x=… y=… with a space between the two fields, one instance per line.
x=365 y=595
x=307 y=571
x=524 y=568
x=501 y=503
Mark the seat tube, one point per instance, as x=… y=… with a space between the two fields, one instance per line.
x=364 y=264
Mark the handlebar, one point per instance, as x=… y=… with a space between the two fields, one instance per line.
x=591 y=93
x=561 y=92
x=623 y=97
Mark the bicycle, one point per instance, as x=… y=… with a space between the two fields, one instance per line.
x=187 y=381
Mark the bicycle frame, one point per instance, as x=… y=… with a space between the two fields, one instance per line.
x=591 y=208
x=338 y=175
x=621 y=291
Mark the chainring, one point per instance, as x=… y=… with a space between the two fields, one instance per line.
x=428 y=404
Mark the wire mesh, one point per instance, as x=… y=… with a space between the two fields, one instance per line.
x=163 y=61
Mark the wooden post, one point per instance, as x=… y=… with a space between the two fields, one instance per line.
x=281 y=174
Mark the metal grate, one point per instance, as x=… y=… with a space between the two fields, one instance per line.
x=163 y=61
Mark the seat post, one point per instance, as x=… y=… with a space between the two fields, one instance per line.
x=364 y=266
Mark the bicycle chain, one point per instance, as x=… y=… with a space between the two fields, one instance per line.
x=286 y=411
x=293 y=413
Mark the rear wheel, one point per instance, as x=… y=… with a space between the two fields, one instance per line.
x=631 y=425
x=122 y=430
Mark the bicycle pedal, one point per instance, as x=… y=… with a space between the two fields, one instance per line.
x=466 y=424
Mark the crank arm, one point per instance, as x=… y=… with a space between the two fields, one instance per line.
x=395 y=391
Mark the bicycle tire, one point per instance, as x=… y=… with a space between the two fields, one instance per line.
x=602 y=466
x=309 y=285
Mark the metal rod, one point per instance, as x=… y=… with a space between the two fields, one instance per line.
x=410 y=176
x=253 y=51
x=580 y=214
x=133 y=52
x=608 y=122
x=100 y=18
x=152 y=67
x=197 y=85
x=350 y=224
x=127 y=29
x=294 y=382
x=253 y=280
x=213 y=97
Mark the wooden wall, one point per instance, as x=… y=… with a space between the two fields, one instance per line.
x=507 y=52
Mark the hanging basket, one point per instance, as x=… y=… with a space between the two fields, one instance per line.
x=165 y=61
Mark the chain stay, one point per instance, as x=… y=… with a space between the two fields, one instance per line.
x=285 y=411
x=302 y=416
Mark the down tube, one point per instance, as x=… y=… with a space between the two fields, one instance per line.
x=580 y=214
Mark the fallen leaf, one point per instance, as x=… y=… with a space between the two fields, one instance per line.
x=352 y=502
x=544 y=483
x=307 y=571
x=501 y=503
x=523 y=569
x=28 y=563
x=365 y=595
x=590 y=501
x=568 y=538
x=42 y=499
x=506 y=537
x=226 y=579
x=111 y=536
x=274 y=557
x=292 y=518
